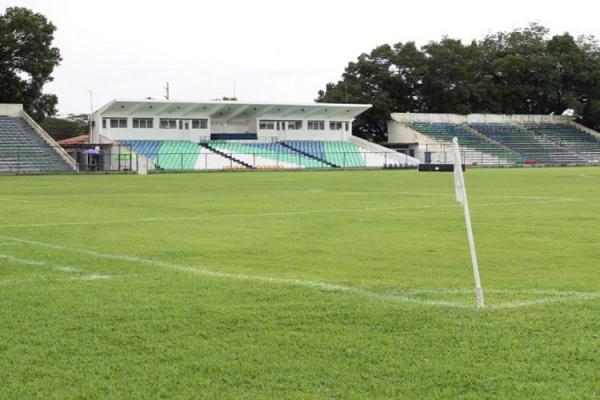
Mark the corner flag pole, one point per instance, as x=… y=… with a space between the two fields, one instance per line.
x=461 y=197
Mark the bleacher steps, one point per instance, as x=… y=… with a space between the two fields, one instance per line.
x=309 y=155
x=49 y=140
x=486 y=138
x=223 y=154
x=26 y=147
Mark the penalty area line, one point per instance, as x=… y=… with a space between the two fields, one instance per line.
x=37 y=263
x=550 y=296
x=330 y=287
x=43 y=278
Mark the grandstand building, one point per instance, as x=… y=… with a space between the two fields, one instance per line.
x=490 y=139
x=140 y=135
x=26 y=148
x=187 y=135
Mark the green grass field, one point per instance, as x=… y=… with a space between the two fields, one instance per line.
x=346 y=285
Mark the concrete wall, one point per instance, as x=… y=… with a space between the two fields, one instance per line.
x=304 y=133
x=155 y=133
x=11 y=110
x=215 y=125
x=407 y=118
x=400 y=133
x=389 y=155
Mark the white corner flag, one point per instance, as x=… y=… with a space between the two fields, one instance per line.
x=461 y=197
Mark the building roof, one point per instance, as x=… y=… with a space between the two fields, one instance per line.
x=231 y=109
x=81 y=139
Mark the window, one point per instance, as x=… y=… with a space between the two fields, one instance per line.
x=118 y=122
x=104 y=123
x=168 y=123
x=199 y=124
x=316 y=125
x=265 y=124
x=346 y=126
x=294 y=125
x=336 y=125
x=142 y=123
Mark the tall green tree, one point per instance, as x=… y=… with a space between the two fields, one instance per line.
x=27 y=60
x=387 y=78
x=525 y=71
x=60 y=128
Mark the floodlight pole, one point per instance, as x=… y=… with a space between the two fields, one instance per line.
x=91 y=123
x=461 y=197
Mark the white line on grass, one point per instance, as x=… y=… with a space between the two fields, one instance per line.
x=274 y=214
x=557 y=296
x=546 y=300
x=42 y=278
x=218 y=274
x=551 y=295
x=37 y=263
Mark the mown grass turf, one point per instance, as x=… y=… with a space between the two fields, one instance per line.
x=299 y=285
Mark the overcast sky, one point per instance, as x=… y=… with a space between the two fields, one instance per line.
x=273 y=50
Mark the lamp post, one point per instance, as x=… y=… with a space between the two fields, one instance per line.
x=91 y=113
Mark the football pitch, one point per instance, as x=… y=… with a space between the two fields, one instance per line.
x=338 y=284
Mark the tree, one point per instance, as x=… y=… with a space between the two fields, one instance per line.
x=524 y=71
x=27 y=60
x=60 y=128
x=386 y=78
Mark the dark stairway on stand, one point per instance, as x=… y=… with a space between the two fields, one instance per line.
x=222 y=153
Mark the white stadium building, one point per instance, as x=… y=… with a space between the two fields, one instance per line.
x=223 y=134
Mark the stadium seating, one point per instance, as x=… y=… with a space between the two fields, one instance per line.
x=516 y=143
x=469 y=140
x=567 y=135
x=178 y=155
x=343 y=154
x=149 y=148
x=22 y=149
x=167 y=154
x=265 y=155
x=334 y=153
x=526 y=142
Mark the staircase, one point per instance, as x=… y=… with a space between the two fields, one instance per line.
x=228 y=156
x=23 y=149
x=309 y=155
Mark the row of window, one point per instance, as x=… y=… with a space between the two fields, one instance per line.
x=148 y=123
x=275 y=125
x=172 y=123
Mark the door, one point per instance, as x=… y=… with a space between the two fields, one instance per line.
x=427 y=157
x=184 y=129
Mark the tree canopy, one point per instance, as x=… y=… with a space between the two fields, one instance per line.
x=27 y=60
x=60 y=128
x=525 y=71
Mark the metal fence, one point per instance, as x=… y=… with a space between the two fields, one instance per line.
x=27 y=162
x=120 y=158
x=130 y=161
x=527 y=155
x=106 y=158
